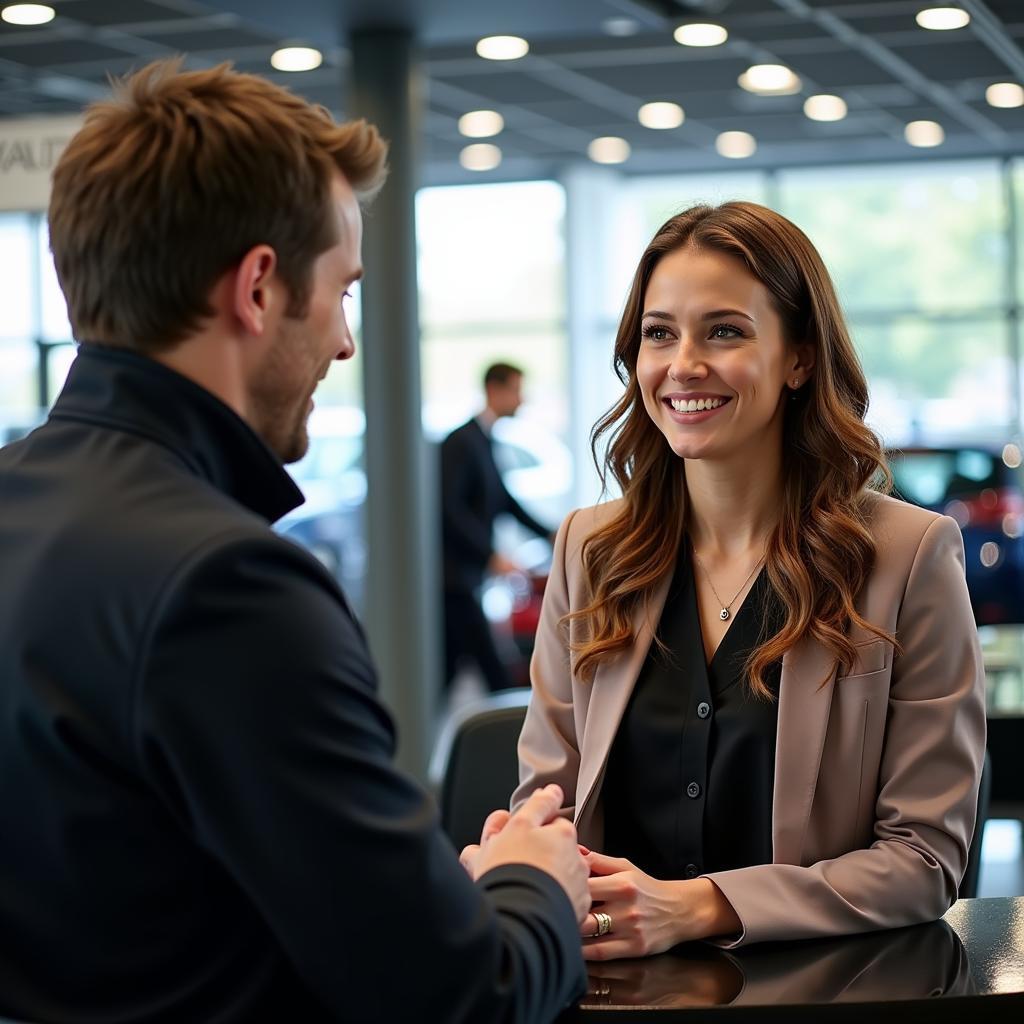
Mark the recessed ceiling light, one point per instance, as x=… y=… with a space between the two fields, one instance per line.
x=609 y=149
x=941 y=19
x=481 y=124
x=700 y=35
x=481 y=156
x=661 y=115
x=502 y=47
x=770 y=80
x=296 y=58
x=620 y=27
x=1005 y=94
x=736 y=145
x=825 y=107
x=924 y=133
x=28 y=14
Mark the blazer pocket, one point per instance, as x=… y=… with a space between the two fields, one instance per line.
x=871 y=657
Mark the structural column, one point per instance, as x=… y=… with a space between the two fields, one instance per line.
x=402 y=618
x=590 y=193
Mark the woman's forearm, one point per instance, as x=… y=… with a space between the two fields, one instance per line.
x=722 y=919
x=703 y=911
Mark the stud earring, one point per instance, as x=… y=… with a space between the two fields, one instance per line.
x=796 y=383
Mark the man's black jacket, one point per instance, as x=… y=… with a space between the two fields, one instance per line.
x=473 y=495
x=199 y=817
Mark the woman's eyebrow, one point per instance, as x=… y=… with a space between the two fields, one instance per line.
x=660 y=314
x=727 y=312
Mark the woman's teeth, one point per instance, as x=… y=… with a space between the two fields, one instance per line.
x=696 y=404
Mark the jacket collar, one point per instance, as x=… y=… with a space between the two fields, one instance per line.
x=129 y=392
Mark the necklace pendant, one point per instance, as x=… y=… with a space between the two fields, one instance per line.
x=724 y=614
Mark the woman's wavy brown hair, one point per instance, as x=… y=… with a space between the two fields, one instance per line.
x=821 y=551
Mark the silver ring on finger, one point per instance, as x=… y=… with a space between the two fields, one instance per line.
x=604 y=924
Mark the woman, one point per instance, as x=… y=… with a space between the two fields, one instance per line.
x=758 y=675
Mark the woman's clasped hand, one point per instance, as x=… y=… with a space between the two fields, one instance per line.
x=648 y=915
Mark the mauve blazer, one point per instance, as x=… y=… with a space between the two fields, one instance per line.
x=876 y=772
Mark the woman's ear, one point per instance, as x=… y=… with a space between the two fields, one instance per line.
x=803 y=361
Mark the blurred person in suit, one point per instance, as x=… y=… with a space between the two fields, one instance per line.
x=757 y=676
x=201 y=817
x=473 y=495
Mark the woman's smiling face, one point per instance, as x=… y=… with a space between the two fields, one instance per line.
x=713 y=363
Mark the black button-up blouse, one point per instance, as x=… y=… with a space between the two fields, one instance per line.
x=688 y=787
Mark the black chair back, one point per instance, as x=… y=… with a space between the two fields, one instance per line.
x=479 y=763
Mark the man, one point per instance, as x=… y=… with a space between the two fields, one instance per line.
x=200 y=816
x=472 y=496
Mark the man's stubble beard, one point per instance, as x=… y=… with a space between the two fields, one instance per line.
x=279 y=400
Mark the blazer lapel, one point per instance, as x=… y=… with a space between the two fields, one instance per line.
x=803 y=719
x=611 y=688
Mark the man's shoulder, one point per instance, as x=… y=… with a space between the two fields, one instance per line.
x=467 y=441
x=465 y=433
x=122 y=511
x=238 y=551
x=178 y=515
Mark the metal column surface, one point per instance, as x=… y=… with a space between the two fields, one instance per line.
x=403 y=588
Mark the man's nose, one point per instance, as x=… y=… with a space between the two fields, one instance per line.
x=348 y=345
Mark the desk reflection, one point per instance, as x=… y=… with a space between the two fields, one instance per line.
x=907 y=964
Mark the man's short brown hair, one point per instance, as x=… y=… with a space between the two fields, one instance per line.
x=175 y=178
x=501 y=373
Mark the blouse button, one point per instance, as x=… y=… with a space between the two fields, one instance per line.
x=703 y=709
x=692 y=871
x=693 y=790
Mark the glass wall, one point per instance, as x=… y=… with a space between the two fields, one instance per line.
x=35 y=338
x=642 y=205
x=492 y=288
x=655 y=199
x=919 y=256
x=18 y=360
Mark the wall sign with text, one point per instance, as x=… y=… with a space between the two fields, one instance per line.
x=29 y=148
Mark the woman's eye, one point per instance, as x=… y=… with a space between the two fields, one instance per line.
x=655 y=333
x=725 y=331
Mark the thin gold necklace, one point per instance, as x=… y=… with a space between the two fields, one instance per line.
x=725 y=613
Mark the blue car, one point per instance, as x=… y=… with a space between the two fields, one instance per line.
x=983 y=490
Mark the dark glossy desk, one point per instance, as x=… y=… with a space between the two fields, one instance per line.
x=969 y=967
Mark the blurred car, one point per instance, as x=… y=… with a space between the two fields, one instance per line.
x=331 y=476
x=536 y=467
x=983 y=490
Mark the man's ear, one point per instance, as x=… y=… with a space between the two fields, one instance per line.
x=255 y=286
